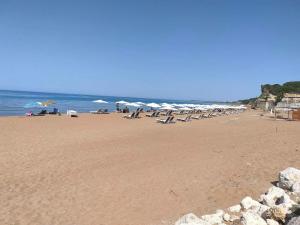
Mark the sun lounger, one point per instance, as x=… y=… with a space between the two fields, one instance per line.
x=179 y=113
x=136 y=115
x=72 y=113
x=186 y=119
x=100 y=111
x=168 y=113
x=207 y=115
x=198 y=117
x=130 y=116
x=151 y=114
x=169 y=119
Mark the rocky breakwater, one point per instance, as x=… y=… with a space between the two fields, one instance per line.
x=279 y=205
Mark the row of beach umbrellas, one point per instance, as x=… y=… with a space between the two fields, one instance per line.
x=175 y=107
x=162 y=106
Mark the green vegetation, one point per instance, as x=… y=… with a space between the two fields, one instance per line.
x=275 y=89
x=248 y=101
x=279 y=90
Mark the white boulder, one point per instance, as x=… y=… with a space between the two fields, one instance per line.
x=252 y=218
x=226 y=217
x=296 y=188
x=272 y=222
x=190 y=219
x=235 y=208
x=216 y=218
x=260 y=209
x=275 y=196
x=234 y=217
x=288 y=177
x=248 y=203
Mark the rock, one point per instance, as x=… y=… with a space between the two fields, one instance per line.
x=236 y=222
x=220 y=212
x=227 y=217
x=251 y=218
x=296 y=188
x=248 y=203
x=216 y=218
x=261 y=209
x=235 y=208
x=296 y=209
x=294 y=221
x=272 y=222
x=190 y=219
x=288 y=177
x=275 y=213
x=275 y=196
x=253 y=206
x=234 y=218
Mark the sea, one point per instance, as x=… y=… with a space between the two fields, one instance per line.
x=17 y=103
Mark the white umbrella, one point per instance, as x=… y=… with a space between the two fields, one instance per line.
x=34 y=105
x=168 y=108
x=140 y=103
x=185 y=109
x=153 y=105
x=100 y=101
x=166 y=105
x=122 y=102
x=132 y=104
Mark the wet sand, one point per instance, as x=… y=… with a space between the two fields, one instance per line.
x=106 y=170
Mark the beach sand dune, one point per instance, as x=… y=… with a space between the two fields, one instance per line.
x=103 y=169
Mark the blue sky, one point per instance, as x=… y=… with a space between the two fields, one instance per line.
x=193 y=49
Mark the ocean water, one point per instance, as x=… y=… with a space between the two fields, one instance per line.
x=14 y=103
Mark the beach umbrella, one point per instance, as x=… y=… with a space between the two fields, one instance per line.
x=166 y=105
x=132 y=104
x=168 y=108
x=122 y=102
x=185 y=109
x=140 y=103
x=100 y=101
x=34 y=105
x=47 y=103
x=153 y=105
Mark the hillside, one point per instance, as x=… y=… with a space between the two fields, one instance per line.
x=277 y=90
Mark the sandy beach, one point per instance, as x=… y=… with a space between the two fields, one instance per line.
x=106 y=170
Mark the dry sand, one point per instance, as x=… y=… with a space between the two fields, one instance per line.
x=103 y=169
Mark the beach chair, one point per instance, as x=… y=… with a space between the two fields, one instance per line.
x=208 y=115
x=169 y=119
x=72 y=113
x=130 y=116
x=54 y=112
x=157 y=114
x=186 y=119
x=151 y=114
x=136 y=115
x=100 y=111
x=198 y=117
x=168 y=113
x=179 y=112
x=164 y=121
